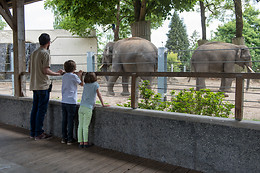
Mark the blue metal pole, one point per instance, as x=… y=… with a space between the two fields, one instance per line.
x=162 y=67
x=90 y=62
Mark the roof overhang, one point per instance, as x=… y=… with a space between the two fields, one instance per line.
x=9 y=2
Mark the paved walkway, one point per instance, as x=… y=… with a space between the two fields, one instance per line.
x=20 y=154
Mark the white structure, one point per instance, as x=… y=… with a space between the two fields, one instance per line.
x=64 y=45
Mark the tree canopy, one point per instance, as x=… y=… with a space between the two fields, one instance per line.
x=80 y=15
x=251 y=30
x=2 y=23
x=220 y=10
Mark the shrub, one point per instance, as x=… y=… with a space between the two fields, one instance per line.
x=203 y=102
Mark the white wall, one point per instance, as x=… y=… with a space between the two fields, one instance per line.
x=64 y=45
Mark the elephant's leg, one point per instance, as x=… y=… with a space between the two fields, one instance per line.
x=200 y=83
x=110 y=85
x=225 y=84
x=125 y=80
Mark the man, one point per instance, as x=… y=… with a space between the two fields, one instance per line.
x=39 y=69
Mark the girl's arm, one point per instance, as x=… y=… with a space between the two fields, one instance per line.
x=100 y=98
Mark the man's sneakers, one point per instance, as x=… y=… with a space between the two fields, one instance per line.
x=43 y=136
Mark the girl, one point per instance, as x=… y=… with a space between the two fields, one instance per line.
x=90 y=91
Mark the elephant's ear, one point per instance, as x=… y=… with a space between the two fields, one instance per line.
x=238 y=55
x=108 y=52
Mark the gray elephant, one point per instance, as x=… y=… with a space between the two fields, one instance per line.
x=220 y=57
x=129 y=55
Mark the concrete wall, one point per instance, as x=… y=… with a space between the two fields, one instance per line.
x=198 y=142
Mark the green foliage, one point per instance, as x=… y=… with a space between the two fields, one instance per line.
x=103 y=13
x=178 y=41
x=203 y=102
x=251 y=30
x=2 y=23
x=194 y=40
x=149 y=100
x=217 y=9
x=172 y=59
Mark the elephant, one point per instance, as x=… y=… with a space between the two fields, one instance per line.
x=129 y=55
x=220 y=57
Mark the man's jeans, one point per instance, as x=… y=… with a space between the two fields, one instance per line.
x=68 y=113
x=39 y=109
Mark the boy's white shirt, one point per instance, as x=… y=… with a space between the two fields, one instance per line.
x=70 y=82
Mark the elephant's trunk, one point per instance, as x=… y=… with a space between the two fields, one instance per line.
x=249 y=70
x=103 y=68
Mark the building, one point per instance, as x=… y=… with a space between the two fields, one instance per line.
x=64 y=46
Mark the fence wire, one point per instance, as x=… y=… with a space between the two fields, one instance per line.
x=173 y=83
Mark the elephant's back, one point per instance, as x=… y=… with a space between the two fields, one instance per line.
x=210 y=56
x=136 y=55
x=217 y=45
x=214 y=48
x=135 y=46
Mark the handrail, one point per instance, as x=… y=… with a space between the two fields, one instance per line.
x=239 y=95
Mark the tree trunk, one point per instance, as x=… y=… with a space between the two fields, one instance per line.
x=239 y=18
x=142 y=11
x=137 y=7
x=203 y=20
x=116 y=30
x=141 y=29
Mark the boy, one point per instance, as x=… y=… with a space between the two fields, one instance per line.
x=70 y=81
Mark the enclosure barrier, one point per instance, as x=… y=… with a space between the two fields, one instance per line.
x=239 y=95
x=239 y=91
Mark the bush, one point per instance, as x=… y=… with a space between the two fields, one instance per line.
x=203 y=102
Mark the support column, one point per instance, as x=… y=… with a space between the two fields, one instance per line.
x=90 y=62
x=19 y=48
x=162 y=67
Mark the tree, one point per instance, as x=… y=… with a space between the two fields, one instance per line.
x=2 y=23
x=178 y=41
x=218 y=10
x=215 y=8
x=172 y=60
x=194 y=40
x=121 y=13
x=251 y=32
x=239 y=18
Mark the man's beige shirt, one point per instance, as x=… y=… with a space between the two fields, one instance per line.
x=39 y=60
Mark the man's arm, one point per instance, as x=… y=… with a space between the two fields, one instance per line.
x=49 y=72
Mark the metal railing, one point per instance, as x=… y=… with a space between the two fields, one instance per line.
x=239 y=85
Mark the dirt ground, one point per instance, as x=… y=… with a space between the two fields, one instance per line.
x=251 y=97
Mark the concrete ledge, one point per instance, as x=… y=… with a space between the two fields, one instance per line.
x=197 y=142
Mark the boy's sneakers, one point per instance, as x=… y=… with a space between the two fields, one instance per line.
x=63 y=141
x=71 y=142
x=42 y=136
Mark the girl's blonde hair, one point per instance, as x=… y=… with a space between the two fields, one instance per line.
x=90 y=77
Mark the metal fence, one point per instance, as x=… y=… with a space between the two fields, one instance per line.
x=246 y=102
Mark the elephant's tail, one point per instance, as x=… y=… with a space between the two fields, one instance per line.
x=192 y=69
